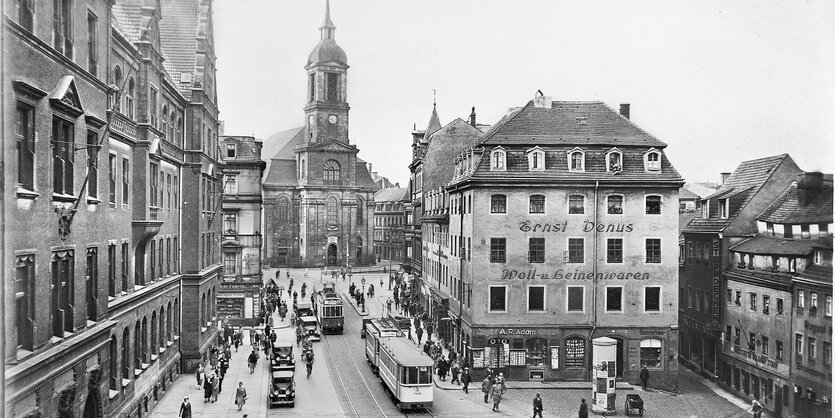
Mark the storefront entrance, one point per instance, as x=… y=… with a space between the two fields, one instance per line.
x=332 y=255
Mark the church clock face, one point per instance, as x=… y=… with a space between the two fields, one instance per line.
x=332 y=119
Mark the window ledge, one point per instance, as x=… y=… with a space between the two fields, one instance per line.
x=60 y=197
x=112 y=394
x=137 y=372
x=161 y=350
x=93 y=200
x=169 y=343
x=126 y=382
x=145 y=366
x=22 y=353
x=176 y=337
x=25 y=193
x=203 y=329
x=154 y=357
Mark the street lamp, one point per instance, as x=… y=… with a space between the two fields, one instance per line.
x=363 y=294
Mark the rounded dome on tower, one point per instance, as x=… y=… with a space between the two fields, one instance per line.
x=327 y=51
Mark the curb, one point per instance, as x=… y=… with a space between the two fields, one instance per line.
x=346 y=300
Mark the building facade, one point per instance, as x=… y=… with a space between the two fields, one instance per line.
x=239 y=298
x=318 y=195
x=388 y=226
x=95 y=185
x=566 y=218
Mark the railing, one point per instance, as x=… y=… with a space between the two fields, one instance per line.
x=122 y=125
x=750 y=355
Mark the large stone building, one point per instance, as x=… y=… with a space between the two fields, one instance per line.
x=112 y=171
x=318 y=195
x=239 y=299
x=564 y=221
x=388 y=225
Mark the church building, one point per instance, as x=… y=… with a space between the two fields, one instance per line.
x=318 y=195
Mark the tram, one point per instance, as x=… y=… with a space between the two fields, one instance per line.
x=329 y=310
x=407 y=372
x=376 y=330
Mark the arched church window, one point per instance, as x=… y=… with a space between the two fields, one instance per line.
x=331 y=172
x=360 y=209
x=333 y=212
x=283 y=210
x=333 y=86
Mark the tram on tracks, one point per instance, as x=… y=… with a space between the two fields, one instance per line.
x=377 y=329
x=329 y=310
x=407 y=372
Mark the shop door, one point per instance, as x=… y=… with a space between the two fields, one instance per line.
x=332 y=255
x=778 y=401
x=619 y=357
x=282 y=256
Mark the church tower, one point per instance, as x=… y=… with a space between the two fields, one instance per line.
x=327 y=107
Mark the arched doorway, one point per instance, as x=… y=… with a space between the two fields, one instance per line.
x=332 y=254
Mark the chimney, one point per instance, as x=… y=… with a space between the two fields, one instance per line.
x=723 y=178
x=472 y=117
x=397 y=185
x=541 y=100
x=809 y=185
x=624 y=110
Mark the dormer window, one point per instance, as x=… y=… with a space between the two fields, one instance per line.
x=497 y=159
x=723 y=208
x=614 y=160
x=536 y=159
x=652 y=160
x=230 y=150
x=576 y=160
x=705 y=209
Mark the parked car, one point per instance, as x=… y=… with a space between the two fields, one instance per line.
x=282 y=356
x=282 y=389
x=310 y=327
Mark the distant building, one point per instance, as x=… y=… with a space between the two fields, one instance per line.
x=691 y=193
x=388 y=225
x=380 y=181
x=239 y=298
x=318 y=195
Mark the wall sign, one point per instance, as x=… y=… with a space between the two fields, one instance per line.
x=716 y=272
x=555 y=357
x=588 y=226
x=528 y=273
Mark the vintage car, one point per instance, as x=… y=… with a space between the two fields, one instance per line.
x=310 y=327
x=281 y=357
x=304 y=308
x=282 y=389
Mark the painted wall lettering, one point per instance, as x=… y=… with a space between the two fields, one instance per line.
x=527 y=226
x=559 y=274
x=588 y=226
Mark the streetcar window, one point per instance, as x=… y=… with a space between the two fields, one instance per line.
x=425 y=375
x=410 y=376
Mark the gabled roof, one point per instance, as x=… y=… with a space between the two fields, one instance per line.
x=684 y=193
x=128 y=19
x=768 y=245
x=787 y=209
x=569 y=122
x=392 y=194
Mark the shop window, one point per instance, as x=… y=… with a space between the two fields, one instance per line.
x=614 y=299
x=536 y=298
x=575 y=353
x=576 y=204
x=576 y=298
x=614 y=205
x=652 y=299
x=651 y=353
x=537 y=204
x=536 y=250
x=653 y=205
x=498 y=203
x=498 y=298
x=537 y=352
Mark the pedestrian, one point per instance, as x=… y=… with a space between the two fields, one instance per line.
x=454 y=370
x=756 y=408
x=237 y=339
x=215 y=387
x=388 y=305
x=584 y=409
x=207 y=390
x=429 y=329
x=252 y=336
x=227 y=355
x=485 y=387
x=496 y=394
x=185 y=408
x=381 y=279
x=644 y=377
x=199 y=375
x=427 y=348
x=452 y=355
x=500 y=381
x=466 y=379
x=537 y=406
x=240 y=396
x=419 y=332
x=443 y=368
x=252 y=360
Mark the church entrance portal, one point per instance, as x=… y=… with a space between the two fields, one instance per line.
x=332 y=255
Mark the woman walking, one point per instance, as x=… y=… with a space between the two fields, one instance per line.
x=240 y=396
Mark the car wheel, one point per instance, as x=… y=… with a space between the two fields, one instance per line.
x=292 y=404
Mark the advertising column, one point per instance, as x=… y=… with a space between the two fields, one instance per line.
x=605 y=369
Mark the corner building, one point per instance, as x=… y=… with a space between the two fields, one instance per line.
x=568 y=217
x=318 y=195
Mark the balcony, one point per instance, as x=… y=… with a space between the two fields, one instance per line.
x=752 y=356
x=122 y=125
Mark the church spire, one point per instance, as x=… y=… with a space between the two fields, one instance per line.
x=434 y=121
x=328 y=28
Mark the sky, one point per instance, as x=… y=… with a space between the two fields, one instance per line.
x=719 y=82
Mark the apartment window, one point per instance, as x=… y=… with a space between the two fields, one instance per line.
x=778 y=350
x=154 y=184
x=125 y=261
x=498 y=203
x=125 y=180
x=536 y=298
x=93 y=164
x=798 y=344
x=738 y=298
x=536 y=159
x=766 y=304
x=752 y=297
x=818 y=258
x=651 y=353
x=652 y=299
x=752 y=338
x=812 y=347
x=129 y=97
x=498 y=298
x=161 y=258
x=111 y=270
x=497 y=250
x=706 y=300
x=576 y=248
x=576 y=204
x=537 y=204
x=764 y=345
x=470 y=248
x=827 y=352
x=24 y=286
x=175 y=187
x=653 y=205
x=111 y=180
x=690 y=253
x=828 y=306
x=576 y=298
x=229 y=263
x=614 y=205
x=176 y=252
x=614 y=250
x=230 y=223
x=152 y=111
x=62 y=296
x=728 y=333
x=723 y=208
x=230 y=150
x=576 y=161
x=63 y=138
x=823 y=230
x=614 y=299
x=813 y=302
x=536 y=250
x=729 y=296
x=25 y=135
x=62 y=26
x=801 y=299
x=25 y=13
x=787 y=231
x=168 y=190
x=230 y=185
x=804 y=231
x=92 y=283
x=737 y=336
x=769 y=228
x=653 y=161
x=614 y=161
x=92 y=43
x=153 y=255
x=497 y=159
x=653 y=249
x=779 y=306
